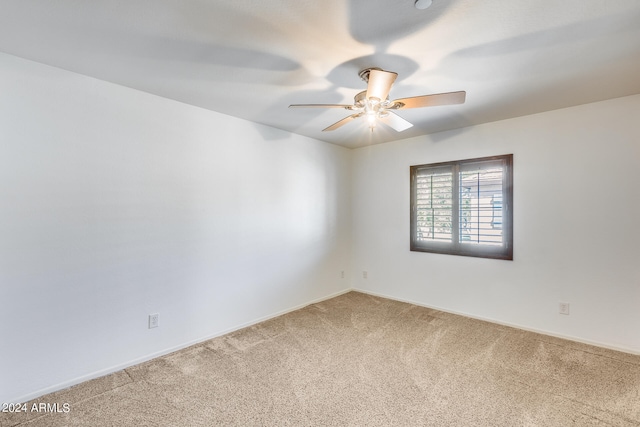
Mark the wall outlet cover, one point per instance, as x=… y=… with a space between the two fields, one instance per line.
x=563 y=308
x=154 y=320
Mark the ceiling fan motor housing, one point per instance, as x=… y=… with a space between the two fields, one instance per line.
x=360 y=99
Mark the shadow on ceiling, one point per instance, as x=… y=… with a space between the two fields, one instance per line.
x=382 y=22
x=576 y=39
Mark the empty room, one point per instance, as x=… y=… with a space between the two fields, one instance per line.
x=336 y=213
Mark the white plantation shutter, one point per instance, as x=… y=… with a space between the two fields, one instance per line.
x=463 y=207
x=434 y=204
x=480 y=185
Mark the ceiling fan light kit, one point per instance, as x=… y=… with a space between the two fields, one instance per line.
x=374 y=104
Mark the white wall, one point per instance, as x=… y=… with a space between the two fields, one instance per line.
x=576 y=224
x=115 y=204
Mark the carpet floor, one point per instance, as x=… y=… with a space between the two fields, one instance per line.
x=359 y=360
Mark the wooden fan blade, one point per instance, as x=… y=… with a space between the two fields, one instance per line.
x=346 y=107
x=429 y=100
x=380 y=83
x=342 y=122
x=395 y=122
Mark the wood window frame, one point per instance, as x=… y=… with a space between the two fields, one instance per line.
x=456 y=246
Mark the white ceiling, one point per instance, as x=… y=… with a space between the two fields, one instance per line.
x=252 y=58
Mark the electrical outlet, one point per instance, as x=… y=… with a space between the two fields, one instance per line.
x=154 y=320
x=563 y=308
x=365 y=275
x=342 y=274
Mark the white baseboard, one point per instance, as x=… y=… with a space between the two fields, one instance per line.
x=498 y=322
x=128 y=364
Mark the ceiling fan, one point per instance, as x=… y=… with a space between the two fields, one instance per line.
x=374 y=104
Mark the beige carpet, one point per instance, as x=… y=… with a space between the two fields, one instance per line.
x=358 y=360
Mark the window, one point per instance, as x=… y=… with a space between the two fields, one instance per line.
x=463 y=207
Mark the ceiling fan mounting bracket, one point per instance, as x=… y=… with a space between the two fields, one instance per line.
x=364 y=73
